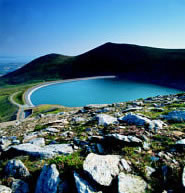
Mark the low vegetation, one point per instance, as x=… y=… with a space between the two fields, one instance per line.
x=7 y=109
x=18 y=98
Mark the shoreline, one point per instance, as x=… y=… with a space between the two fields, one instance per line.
x=30 y=91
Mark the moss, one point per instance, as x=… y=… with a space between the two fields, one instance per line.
x=39 y=127
x=68 y=163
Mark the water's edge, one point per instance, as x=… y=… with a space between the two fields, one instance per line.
x=30 y=91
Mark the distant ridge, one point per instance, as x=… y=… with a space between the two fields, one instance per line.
x=155 y=65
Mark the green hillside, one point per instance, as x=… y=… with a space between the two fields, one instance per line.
x=128 y=61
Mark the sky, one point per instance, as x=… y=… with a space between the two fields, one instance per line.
x=72 y=27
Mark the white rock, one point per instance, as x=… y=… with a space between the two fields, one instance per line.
x=30 y=136
x=125 y=165
x=146 y=146
x=52 y=130
x=48 y=180
x=47 y=151
x=67 y=134
x=4 y=143
x=83 y=186
x=5 y=189
x=59 y=148
x=180 y=142
x=16 y=169
x=102 y=168
x=139 y=120
x=105 y=120
x=37 y=141
x=183 y=177
x=128 y=183
x=30 y=149
x=19 y=186
x=78 y=119
x=149 y=171
x=124 y=138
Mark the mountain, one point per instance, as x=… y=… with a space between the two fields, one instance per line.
x=155 y=65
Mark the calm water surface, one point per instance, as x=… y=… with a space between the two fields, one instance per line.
x=96 y=91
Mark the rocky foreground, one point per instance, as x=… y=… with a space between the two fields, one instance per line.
x=131 y=147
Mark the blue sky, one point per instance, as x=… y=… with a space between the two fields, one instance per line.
x=71 y=27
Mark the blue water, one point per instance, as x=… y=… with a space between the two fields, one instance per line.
x=96 y=91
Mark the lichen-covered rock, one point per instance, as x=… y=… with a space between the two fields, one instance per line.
x=5 y=189
x=19 y=186
x=28 y=137
x=59 y=148
x=83 y=186
x=30 y=149
x=52 y=130
x=47 y=151
x=38 y=141
x=16 y=169
x=139 y=120
x=176 y=116
x=124 y=138
x=48 y=180
x=128 y=183
x=125 y=165
x=4 y=143
x=102 y=168
x=105 y=120
x=78 y=120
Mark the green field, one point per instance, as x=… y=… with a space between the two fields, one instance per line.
x=7 y=109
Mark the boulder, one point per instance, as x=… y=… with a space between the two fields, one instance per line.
x=91 y=106
x=105 y=120
x=175 y=116
x=125 y=165
x=4 y=143
x=30 y=136
x=139 y=120
x=131 y=109
x=124 y=138
x=102 y=168
x=59 y=148
x=149 y=171
x=183 y=177
x=78 y=120
x=5 y=189
x=47 y=151
x=180 y=142
x=29 y=149
x=38 y=141
x=52 y=130
x=128 y=183
x=83 y=186
x=16 y=169
x=48 y=180
x=19 y=186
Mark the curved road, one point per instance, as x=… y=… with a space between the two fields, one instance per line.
x=20 y=113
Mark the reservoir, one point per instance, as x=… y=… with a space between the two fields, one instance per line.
x=96 y=91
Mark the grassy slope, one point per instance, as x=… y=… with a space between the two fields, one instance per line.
x=18 y=98
x=7 y=109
